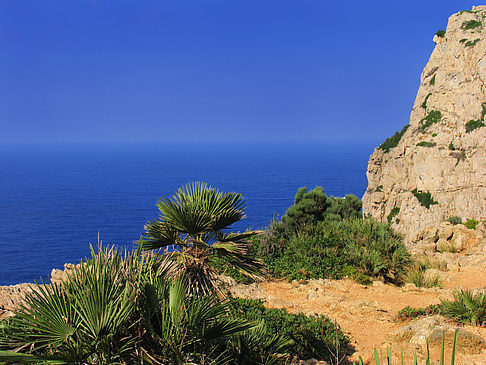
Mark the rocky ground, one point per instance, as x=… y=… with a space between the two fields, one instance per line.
x=366 y=313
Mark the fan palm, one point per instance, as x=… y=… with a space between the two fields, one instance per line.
x=192 y=225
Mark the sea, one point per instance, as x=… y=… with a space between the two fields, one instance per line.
x=57 y=199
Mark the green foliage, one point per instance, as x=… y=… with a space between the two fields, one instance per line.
x=473 y=124
x=418 y=276
x=432 y=80
x=127 y=309
x=424 y=103
x=434 y=134
x=471 y=223
x=193 y=224
x=357 y=248
x=426 y=144
x=471 y=24
x=432 y=118
x=440 y=33
x=455 y=220
x=468 y=11
x=409 y=313
x=394 y=212
x=472 y=43
x=466 y=307
x=393 y=141
x=379 y=189
x=311 y=336
x=451 y=146
x=463 y=40
x=425 y=198
x=483 y=112
x=315 y=206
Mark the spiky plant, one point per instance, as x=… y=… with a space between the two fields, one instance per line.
x=186 y=327
x=82 y=320
x=191 y=227
x=466 y=307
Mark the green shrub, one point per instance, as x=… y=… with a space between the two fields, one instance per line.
x=315 y=206
x=393 y=141
x=418 y=276
x=463 y=40
x=426 y=144
x=483 y=112
x=379 y=189
x=471 y=223
x=409 y=313
x=466 y=307
x=394 y=212
x=455 y=220
x=440 y=33
x=334 y=249
x=432 y=118
x=473 y=124
x=451 y=146
x=312 y=336
x=472 y=43
x=116 y=309
x=434 y=134
x=471 y=24
x=424 y=103
x=432 y=80
x=425 y=199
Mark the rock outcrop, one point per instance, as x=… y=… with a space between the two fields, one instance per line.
x=436 y=167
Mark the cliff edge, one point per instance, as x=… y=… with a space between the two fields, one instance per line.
x=435 y=167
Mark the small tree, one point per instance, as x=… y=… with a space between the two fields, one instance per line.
x=315 y=206
x=192 y=225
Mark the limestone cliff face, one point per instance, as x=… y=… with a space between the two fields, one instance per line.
x=443 y=151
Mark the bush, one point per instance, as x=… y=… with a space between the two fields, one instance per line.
x=471 y=223
x=473 y=124
x=409 y=313
x=393 y=141
x=433 y=117
x=126 y=309
x=426 y=144
x=424 y=104
x=472 y=43
x=311 y=336
x=471 y=24
x=455 y=220
x=394 y=212
x=418 y=276
x=432 y=80
x=358 y=248
x=451 y=146
x=425 y=199
x=315 y=206
x=466 y=307
x=440 y=33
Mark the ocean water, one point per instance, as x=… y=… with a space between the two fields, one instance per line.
x=55 y=200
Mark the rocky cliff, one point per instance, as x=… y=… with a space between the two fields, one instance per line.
x=435 y=167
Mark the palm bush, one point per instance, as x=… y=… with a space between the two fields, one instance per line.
x=126 y=309
x=84 y=319
x=192 y=226
x=466 y=307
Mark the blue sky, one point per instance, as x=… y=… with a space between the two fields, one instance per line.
x=115 y=71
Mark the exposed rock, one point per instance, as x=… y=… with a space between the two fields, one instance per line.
x=432 y=329
x=450 y=161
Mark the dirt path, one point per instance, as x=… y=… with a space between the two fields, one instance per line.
x=367 y=313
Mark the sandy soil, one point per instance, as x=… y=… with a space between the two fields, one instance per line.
x=367 y=313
